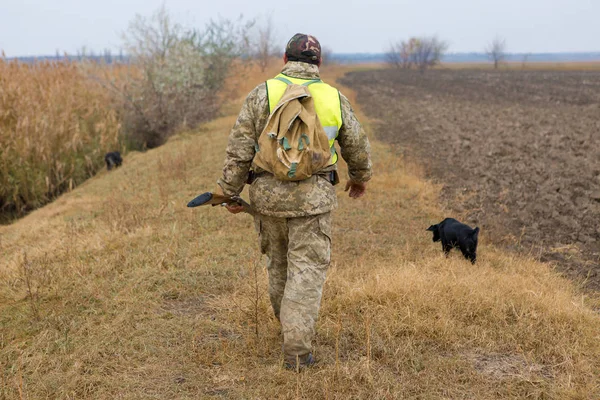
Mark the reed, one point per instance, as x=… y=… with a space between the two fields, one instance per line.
x=55 y=127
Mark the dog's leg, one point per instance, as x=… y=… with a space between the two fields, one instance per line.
x=446 y=247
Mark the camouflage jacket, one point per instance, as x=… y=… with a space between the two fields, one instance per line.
x=270 y=196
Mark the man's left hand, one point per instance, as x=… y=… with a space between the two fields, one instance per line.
x=357 y=189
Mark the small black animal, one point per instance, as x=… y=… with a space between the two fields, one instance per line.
x=455 y=234
x=113 y=159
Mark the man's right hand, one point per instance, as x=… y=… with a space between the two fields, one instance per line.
x=234 y=208
x=357 y=189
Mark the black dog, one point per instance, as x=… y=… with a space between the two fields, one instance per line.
x=455 y=234
x=113 y=159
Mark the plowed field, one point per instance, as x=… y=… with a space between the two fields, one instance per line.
x=518 y=152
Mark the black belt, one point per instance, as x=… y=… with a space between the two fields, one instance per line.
x=331 y=176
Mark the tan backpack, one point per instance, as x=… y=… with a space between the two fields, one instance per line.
x=293 y=146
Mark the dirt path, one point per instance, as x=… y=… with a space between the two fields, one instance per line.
x=517 y=151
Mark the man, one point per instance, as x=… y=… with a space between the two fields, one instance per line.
x=294 y=217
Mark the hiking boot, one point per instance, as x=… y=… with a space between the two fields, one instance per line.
x=304 y=361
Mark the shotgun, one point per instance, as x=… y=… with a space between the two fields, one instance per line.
x=215 y=199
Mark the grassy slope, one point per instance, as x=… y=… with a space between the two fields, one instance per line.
x=116 y=290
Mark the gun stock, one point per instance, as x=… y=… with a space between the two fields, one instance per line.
x=215 y=199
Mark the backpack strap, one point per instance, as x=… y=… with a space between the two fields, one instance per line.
x=303 y=141
x=293 y=169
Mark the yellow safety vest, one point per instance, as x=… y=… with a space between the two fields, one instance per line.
x=327 y=104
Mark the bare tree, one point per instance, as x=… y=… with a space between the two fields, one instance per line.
x=107 y=56
x=265 y=44
x=496 y=51
x=392 y=55
x=326 y=56
x=428 y=52
x=525 y=60
x=407 y=53
x=421 y=53
x=82 y=53
x=401 y=54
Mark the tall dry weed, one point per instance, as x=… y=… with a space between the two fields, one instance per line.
x=55 y=127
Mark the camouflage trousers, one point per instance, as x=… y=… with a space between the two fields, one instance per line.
x=298 y=254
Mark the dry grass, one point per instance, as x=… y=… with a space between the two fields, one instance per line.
x=116 y=290
x=55 y=127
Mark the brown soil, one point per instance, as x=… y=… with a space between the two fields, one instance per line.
x=518 y=152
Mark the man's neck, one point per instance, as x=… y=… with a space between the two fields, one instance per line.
x=302 y=70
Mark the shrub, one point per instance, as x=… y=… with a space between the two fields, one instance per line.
x=176 y=75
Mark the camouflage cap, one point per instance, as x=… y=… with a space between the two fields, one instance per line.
x=305 y=48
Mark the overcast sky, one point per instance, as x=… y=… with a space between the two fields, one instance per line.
x=36 y=27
